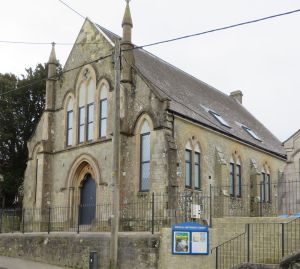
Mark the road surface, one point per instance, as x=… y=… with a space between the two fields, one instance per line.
x=12 y=263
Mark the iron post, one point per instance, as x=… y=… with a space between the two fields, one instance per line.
x=152 y=219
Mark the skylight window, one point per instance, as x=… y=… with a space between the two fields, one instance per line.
x=250 y=132
x=219 y=119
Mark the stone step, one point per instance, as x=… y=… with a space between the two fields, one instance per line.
x=256 y=266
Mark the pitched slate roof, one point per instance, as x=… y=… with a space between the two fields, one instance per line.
x=192 y=98
x=292 y=136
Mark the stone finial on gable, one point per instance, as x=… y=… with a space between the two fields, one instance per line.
x=52 y=77
x=52 y=62
x=127 y=20
x=127 y=46
x=52 y=58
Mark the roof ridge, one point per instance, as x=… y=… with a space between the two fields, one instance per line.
x=103 y=28
x=211 y=87
x=295 y=133
x=171 y=65
x=185 y=72
x=196 y=85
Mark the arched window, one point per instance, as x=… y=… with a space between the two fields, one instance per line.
x=69 y=126
x=38 y=176
x=145 y=156
x=265 y=185
x=197 y=168
x=231 y=178
x=188 y=166
x=81 y=113
x=238 y=178
x=86 y=109
x=90 y=111
x=103 y=111
x=268 y=188
x=262 y=186
x=235 y=178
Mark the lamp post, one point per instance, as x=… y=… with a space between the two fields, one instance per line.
x=116 y=164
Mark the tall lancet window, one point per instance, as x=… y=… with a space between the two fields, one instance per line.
x=36 y=178
x=262 y=186
x=81 y=114
x=38 y=166
x=235 y=177
x=90 y=111
x=238 y=178
x=103 y=111
x=69 y=122
x=231 y=178
x=267 y=186
x=145 y=157
x=197 y=168
x=188 y=166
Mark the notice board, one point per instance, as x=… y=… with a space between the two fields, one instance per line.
x=190 y=238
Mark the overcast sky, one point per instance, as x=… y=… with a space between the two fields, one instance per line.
x=262 y=60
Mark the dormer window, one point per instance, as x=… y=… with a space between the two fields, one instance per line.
x=251 y=132
x=219 y=118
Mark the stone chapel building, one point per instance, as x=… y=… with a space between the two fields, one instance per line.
x=289 y=189
x=292 y=147
x=177 y=132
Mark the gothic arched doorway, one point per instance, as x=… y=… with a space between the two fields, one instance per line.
x=87 y=200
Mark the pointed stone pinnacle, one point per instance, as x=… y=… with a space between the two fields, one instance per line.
x=52 y=58
x=127 y=20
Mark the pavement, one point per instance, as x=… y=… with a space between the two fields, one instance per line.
x=12 y=263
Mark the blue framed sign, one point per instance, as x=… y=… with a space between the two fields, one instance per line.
x=190 y=238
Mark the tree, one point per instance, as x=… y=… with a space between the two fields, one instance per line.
x=20 y=111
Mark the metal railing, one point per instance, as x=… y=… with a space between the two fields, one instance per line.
x=149 y=212
x=265 y=243
x=227 y=205
x=257 y=200
x=153 y=211
x=223 y=257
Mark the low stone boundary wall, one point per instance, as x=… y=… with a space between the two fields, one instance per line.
x=136 y=250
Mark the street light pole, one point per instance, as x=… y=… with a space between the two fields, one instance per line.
x=116 y=162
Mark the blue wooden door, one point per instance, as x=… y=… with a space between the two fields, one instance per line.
x=88 y=201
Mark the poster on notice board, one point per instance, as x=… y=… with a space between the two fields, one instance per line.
x=182 y=242
x=199 y=242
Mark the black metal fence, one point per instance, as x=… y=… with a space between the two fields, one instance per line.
x=264 y=243
x=288 y=196
x=151 y=212
x=257 y=200
x=227 y=205
x=145 y=213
